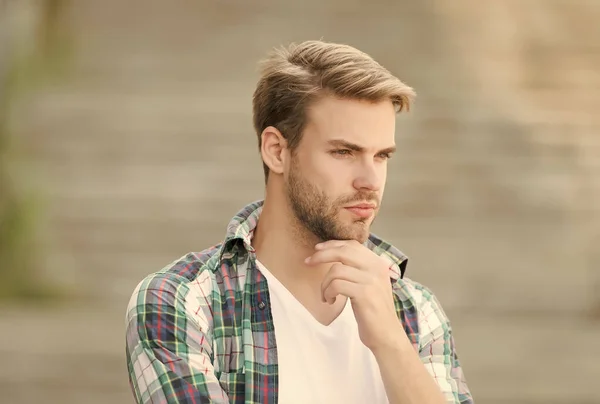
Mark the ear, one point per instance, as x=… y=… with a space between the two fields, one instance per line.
x=272 y=149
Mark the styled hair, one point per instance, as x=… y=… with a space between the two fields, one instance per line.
x=294 y=77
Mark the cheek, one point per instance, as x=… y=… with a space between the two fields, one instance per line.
x=383 y=181
x=319 y=170
x=330 y=176
x=335 y=179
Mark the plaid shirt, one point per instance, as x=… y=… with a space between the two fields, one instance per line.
x=201 y=330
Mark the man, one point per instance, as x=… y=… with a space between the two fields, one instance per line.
x=300 y=303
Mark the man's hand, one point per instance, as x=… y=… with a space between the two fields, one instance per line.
x=363 y=277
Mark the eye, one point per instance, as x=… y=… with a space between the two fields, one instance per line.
x=342 y=152
x=384 y=156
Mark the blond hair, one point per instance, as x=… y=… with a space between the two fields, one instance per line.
x=296 y=76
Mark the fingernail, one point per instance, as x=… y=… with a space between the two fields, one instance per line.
x=307 y=260
x=317 y=246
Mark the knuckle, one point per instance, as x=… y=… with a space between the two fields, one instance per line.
x=338 y=253
x=337 y=269
x=335 y=284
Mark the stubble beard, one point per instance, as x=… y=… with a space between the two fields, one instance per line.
x=318 y=216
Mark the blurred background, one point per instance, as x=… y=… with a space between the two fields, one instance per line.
x=126 y=141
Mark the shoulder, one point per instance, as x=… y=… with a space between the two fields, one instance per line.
x=187 y=272
x=182 y=287
x=410 y=291
x=419 y=303
x=414 y=292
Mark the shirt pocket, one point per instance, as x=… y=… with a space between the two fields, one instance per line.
x=233 y=384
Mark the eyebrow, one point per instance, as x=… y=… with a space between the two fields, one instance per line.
x=357 y=148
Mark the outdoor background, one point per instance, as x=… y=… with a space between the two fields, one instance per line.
x=126 y=141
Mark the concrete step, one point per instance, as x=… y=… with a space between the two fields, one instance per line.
x=63 y=373
x=57 y=368
x=95 y=191
x=549 y=370
x=493 y=265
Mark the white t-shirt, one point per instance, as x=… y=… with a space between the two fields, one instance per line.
x=318 y=363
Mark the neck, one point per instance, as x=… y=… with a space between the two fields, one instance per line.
x=282 y=243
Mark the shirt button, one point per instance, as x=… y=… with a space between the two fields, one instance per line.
x=262 y=305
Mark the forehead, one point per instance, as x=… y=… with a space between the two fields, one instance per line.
x=362 y=122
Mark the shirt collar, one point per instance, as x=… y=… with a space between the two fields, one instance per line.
x=242 y=225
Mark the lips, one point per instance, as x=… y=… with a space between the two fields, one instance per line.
x=362 y=206
x=362 y=210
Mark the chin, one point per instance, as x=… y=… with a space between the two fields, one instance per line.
x=362 y=237
x=358 y=235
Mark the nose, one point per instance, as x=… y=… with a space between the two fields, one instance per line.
x=369 y=177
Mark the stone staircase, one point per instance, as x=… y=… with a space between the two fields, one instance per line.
x=147 y=150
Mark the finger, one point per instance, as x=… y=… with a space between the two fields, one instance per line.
x=343 y=272
x=335 y=244
x=344 y=254
x=341 y=287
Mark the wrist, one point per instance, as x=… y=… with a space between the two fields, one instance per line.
x=395 y=342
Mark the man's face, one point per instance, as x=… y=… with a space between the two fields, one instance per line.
x=336 y=176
